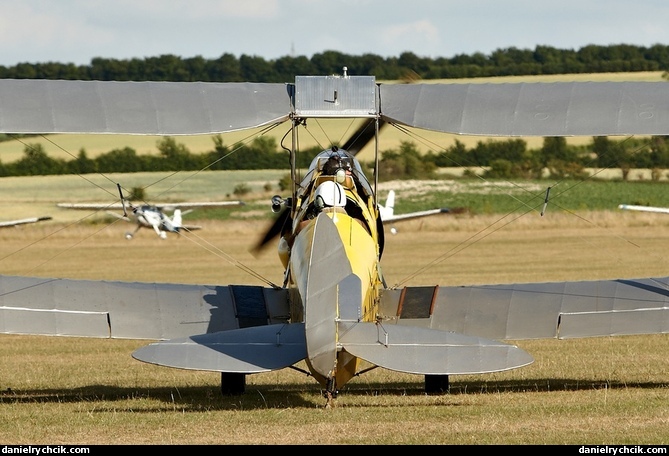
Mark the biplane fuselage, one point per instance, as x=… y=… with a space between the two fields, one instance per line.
x=343 y=196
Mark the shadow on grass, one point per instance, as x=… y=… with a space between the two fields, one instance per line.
x=538 y=385
x=206 y=398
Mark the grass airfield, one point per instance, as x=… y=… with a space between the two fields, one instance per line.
x=591 y=391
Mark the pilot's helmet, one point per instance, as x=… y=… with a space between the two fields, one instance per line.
x=330 y=194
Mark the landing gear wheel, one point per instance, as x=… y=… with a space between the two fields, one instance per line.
x=232 y=383
x=330 y=392
x=436 y=384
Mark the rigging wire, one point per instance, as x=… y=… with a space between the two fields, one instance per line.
x=529 y=205
x=195 y=239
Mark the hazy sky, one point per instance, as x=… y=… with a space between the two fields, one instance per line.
x=75 y=31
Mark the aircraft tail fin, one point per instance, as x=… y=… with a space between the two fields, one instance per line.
x=388 y=209
x=177 y=219
x=274 y=347
x=426 y=351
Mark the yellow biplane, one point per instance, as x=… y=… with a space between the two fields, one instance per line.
x=334 y=308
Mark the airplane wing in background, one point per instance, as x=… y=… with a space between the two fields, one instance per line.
x=25 y=221
x=387 y=211
x=161 y=206
x=191 y=227
x=632 y=207
x=414 y=215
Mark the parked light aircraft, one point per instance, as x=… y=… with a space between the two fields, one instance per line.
x=24 y=221
x=334 y=308
x=152 y=216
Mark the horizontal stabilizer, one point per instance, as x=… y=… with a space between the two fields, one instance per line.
x=191 y=227
x=428 y=351
x=248 y=350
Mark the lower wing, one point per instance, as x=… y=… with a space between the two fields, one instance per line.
x=133 y=310
x=535 y=310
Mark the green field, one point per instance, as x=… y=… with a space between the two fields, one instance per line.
x=38 y=195
x=611 y=390
x=591 y=391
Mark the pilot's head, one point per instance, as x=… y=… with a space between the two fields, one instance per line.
x=339 y=163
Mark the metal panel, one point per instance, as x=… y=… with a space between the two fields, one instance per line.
x=54 y=322
x=335 y=96
x=417 y=302
x=250 y=305
x=614 y=323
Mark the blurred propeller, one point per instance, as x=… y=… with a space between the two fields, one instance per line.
x=282 y=222
x=362 y=136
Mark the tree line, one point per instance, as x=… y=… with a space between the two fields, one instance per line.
x=494 y=159
x=542 y=60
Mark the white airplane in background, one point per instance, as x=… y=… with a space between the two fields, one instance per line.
x=153 y=216
x=632 y=207
x=25 y=221
x=387 y=212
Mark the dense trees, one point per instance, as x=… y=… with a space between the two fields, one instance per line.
x=502 y=159
x=229 y=68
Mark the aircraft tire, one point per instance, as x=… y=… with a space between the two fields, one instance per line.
x=232 y=383
x=436 y=384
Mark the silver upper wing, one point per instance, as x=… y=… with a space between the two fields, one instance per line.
x=531 y=109
x=146 y=108
x=176 y=108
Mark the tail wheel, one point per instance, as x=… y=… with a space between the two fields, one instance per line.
x=232 y=383
x=436 y=384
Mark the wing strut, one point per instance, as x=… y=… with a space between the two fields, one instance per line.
x=120 y=192
x=543 y=209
